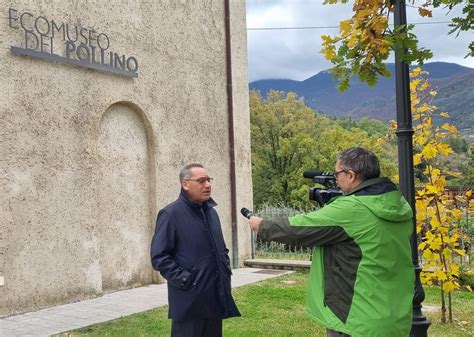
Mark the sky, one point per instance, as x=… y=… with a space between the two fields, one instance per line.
x=295 y=54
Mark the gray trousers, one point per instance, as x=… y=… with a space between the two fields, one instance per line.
x=332 y=333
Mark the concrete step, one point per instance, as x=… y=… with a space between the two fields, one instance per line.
x=299 y=265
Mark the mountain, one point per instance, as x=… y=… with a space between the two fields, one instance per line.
x=453 y=83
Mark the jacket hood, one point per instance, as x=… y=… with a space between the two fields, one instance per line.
x=382 y=198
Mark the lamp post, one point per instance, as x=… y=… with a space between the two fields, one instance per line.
x=404 y=133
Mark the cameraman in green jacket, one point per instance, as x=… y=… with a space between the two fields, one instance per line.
x=361 y=282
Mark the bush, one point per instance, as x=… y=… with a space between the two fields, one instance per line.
x=466 y=277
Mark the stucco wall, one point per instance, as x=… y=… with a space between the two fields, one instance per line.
x=87 y=157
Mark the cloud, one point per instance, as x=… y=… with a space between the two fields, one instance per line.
x=294 y=54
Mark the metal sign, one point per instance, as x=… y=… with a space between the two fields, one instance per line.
x=61 y=42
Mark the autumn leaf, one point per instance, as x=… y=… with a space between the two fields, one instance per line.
x=425 y=12
x=449 y=286
x=428 y=254
x=441 y=275
x=449 y=128
x=447 y=253
x=432 y=189
x=346 y=27
x=417 y=159
x=460 y=252
x=444 y=149
x=415 y=72
x=429 y=152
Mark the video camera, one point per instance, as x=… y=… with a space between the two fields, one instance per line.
x=322 y=195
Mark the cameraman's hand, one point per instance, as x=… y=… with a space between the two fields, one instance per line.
x=254 y=223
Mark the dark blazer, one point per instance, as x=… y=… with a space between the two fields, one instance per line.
x=188 y=249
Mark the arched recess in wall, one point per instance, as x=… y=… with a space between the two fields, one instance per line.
x=126 y=196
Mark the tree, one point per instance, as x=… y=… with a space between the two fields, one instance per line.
x=285 y=134
x=365 y=40
x=438 y=215
x=288 y=138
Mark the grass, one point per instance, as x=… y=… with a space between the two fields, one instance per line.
x=276 y=307
x=463 y=314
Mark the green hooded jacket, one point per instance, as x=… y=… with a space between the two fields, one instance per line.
x=362 y=277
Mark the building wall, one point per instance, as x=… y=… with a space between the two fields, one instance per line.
x=88 y=157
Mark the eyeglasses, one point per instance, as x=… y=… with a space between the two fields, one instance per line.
x=201 y=180
x=336 y=173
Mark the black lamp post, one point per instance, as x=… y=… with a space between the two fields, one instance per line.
x=404 y=133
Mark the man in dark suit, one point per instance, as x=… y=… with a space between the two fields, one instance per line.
x=188 y=249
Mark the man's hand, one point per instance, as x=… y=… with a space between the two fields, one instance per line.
x=254 y=223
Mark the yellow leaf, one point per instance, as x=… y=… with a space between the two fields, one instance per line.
x=432 y=189
x=454 y=268
x=417 y=159
x=330 y=53
x=435 y=173
x=420 y=139
x=429 y=255
x=435 y=245
x=460 y=252
x=429 y=152
x=459 y=198
x=383 y=50
x=449 y=286
x=345 y=27
x=429 y=236
x=451 y=239
x=424 y=86
x=428 y=122
x=380 y=24
x=442 y=230
x=415 y=72
x=447 y=253
x=420 y=192
x=326 y=40
x=449 y=128
x=457 y=214
x=445 y=149
x=440 y=275
x=440 y=183
x=444 y=114
x=353 y=41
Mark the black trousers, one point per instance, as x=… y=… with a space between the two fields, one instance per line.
x=197 y=328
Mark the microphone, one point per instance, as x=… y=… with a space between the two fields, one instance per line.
x=312 y=174
x=246 y=212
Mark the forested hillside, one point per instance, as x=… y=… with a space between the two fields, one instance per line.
x=453 y=83
x=288 y=138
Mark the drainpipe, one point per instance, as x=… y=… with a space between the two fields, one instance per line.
x=230 y=110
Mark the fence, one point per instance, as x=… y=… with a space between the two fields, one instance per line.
x=274 y=250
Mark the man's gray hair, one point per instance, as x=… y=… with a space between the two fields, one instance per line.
x=185 y=172
x=362 y=161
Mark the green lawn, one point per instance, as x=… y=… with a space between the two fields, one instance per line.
x=276 y=308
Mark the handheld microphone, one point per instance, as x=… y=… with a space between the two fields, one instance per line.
x=246 y=212
x=311 y=174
